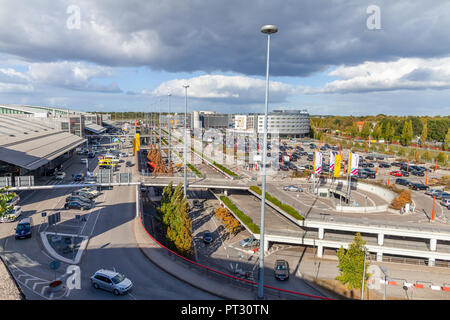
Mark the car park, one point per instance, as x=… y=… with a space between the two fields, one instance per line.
x=24 y=228
x=111 y=281
x=281 y=270
x=207 y=237
x=78 y=205
x=12 y=215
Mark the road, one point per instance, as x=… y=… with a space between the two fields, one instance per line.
x=111 y=245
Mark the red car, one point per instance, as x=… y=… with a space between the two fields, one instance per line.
x=396 y=173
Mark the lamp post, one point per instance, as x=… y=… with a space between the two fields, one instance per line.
x=386 y=278
x=267 y=29
x=159 y=125
x=186 y=86
x=169 y=119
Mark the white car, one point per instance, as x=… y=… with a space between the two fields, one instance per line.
x=123 y=155
x=60 y=175
x=293 y=188
x=92 y=191
x=445 y=202
x=111 y=281
x=12 y=214
x=84 y=160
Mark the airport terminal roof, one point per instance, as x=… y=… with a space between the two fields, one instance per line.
x=35 y=150
x=94 y=127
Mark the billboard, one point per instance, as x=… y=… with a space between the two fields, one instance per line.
x=240 y=122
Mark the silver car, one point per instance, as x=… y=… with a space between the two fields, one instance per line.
x=292 y=188
x=111 y=281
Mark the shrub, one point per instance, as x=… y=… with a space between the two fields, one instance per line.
x=232 y=225
x=286 y=208
x=243 y=217
x=403 y=198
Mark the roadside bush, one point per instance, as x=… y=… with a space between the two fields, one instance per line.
x=243 y=217
x=403 y=198
x=232 y=225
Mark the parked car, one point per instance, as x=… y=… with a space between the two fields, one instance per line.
x=249 y=242
x=128 y=164
x=78 y=198
x=81 y=205
x=111 y=281
x=445 y=202
x=370 y=165
x=292 y=188
x=418 y=186
x=402 y=182
x=433 y=192
x=60 y=175
x=396 y=173
x=197 y=204
x=384 y=165
x=24 y=228
x=443 y=195
x=281 y=270
x=418 y=173
x=284 y=168
x=78 y=177
x=83 y=193
x=207 y=237
x=362 y=175
x=12 y=214
x=405 y=173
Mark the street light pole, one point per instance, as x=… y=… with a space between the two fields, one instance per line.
x=170 y=134
x=364 y=273
x=185 y=138
x=267 y=29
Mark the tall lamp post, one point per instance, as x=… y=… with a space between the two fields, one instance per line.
x=186 y=86
x=267 y=29
x=169 y=119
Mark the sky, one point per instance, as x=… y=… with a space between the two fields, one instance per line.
x=330 y=57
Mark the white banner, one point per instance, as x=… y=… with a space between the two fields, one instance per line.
x=318 y=162
x=354 y=164
x=331 y=161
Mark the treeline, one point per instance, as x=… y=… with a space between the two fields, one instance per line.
x=404 y=130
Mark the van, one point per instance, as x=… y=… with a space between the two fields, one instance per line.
x=23 y=229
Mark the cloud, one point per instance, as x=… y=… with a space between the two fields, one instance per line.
x=402 y=74
x=211 y=36
x=233 y=89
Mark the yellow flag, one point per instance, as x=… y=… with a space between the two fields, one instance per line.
x=337 y=166
x=138 y=142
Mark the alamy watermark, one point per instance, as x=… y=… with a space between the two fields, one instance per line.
x=74 y=20
x=373 y=21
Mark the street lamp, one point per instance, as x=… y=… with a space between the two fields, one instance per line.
x=386 y=278
x=168 y=98
x=185 y=138
x=364 y=273
x=267 y=29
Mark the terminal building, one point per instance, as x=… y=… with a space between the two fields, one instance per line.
x=35 y=139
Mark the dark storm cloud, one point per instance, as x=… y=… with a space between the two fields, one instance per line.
x=211 y=36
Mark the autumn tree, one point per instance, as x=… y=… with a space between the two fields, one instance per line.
x=351 y=264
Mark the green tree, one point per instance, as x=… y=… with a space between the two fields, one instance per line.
x=354 y=130
x=447 y=140
x=351 y=264
x=366 y=130
x=377 y=131
x=407 y=133
x=424 y=134
x=389 y=132
x=5 y=197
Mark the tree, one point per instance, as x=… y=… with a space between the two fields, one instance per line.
x=354 y=130
x=377 y=131
x=389 y=132
x=366 y=129
x=407 y=133
x=423 y=135
x=447 y=140
x=351 y=263
x=5 y=197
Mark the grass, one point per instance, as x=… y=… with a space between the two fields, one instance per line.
x=242 y=216
x=286 y=208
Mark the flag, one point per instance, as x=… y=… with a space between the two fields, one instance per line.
x=331 y=161
x=337 y=166
x=353 y=163
x=317 y=162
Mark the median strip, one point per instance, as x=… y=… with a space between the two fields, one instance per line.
x=243 y=218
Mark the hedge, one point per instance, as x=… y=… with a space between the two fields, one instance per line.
x=242 y=216
x=286 y=208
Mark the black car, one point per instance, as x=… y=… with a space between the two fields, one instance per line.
x=418 y=186
x=197 y=204
x=284 y=168
x=77 y=205
x=362 y=175
x=402 y=182
x=207 y=237
x=396 y=164
x=418 y=173
x=384 y=165
x=370 y=165
x=369 y=158
x=83 y=194
x=78 y=177
x=405 y=173
x=79 y=199
x=292 y=166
